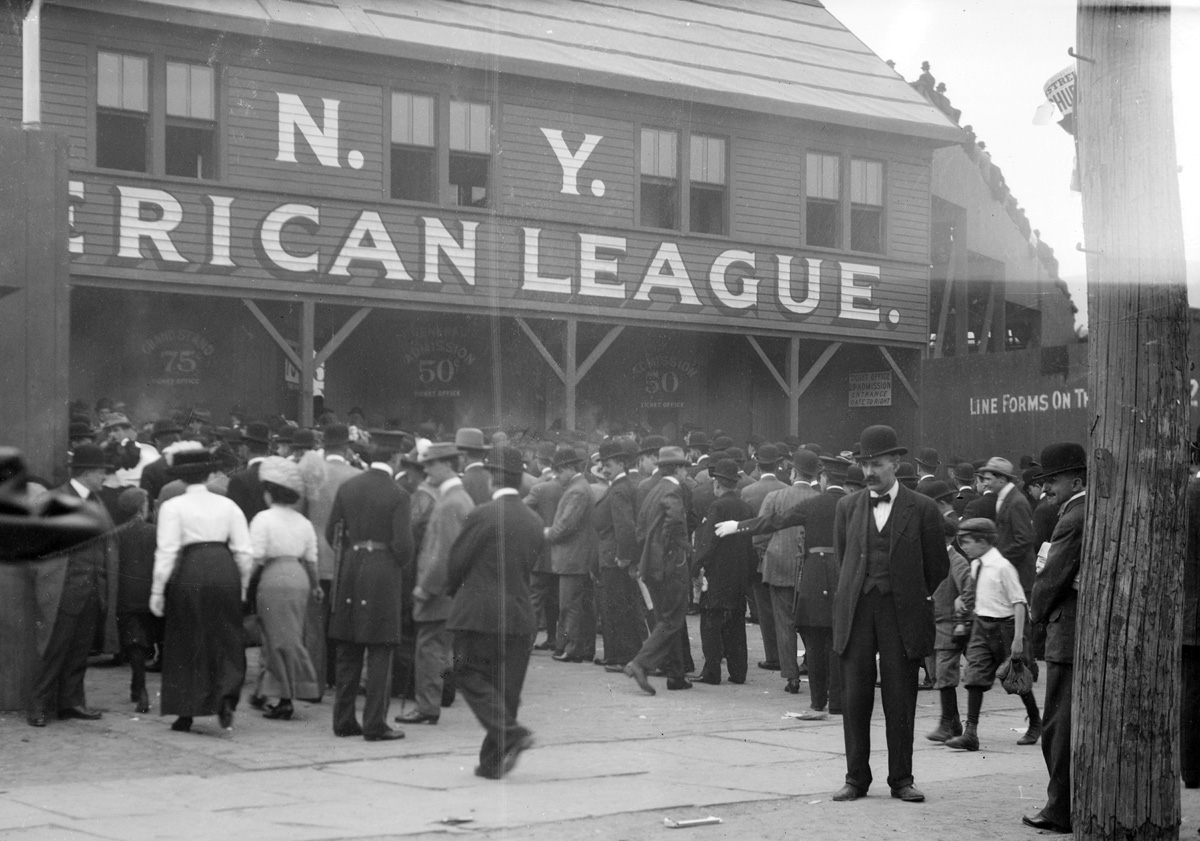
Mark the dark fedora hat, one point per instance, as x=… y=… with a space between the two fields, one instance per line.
x=937 y=489
x=164 y=426
x=1061 y=457
x=928 y=457
x=565 y=456
x=505 y=460
x=88 y=457
x=257 y=432
x=337 y=435
x=651 y=444
x=726 y=469
x=879 y=440
x=767 y=454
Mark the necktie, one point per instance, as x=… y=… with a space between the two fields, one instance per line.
x=876 y=500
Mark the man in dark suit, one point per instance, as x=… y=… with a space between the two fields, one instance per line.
x=963 y=475
x=492 y=616
x=74 y=590
x=543 y=498
x=573 y=549
x=1055 y=593
x=622 y=622
x=244 y=486
x=1013 y=518
x=476 y=480
x=769 y=460
x=372 y=513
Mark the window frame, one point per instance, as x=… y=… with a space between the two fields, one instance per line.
x=845 y=212
x=726 y=216
x=851 y=204
x=97 y=110
x=683 y=179
x=440 y=155
x=450 y=197
x=678 y=180
x=175 y=120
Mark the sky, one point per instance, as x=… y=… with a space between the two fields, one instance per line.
x=995 y=56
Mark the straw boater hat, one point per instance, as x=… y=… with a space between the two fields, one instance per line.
x=283 y=472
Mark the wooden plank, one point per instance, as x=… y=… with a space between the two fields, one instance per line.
x=598 y=351
x=341 y=335
x=308 y=368
x=288 y=350
x=541 y=349
x=811 y=374
x=793 y=375
x=770 y=365
x=912 y=392
x=571 y=380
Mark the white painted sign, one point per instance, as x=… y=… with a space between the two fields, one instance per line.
x=870 y=388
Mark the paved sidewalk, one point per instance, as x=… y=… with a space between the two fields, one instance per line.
x=609 y=763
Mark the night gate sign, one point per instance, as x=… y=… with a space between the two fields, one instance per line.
x=241 y=237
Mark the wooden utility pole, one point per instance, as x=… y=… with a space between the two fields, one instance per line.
x=1125 y=729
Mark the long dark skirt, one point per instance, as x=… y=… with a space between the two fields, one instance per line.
x=204 y=658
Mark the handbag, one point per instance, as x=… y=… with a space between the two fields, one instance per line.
x=1014 y=676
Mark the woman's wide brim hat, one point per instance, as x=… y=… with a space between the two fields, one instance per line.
x=192 y=462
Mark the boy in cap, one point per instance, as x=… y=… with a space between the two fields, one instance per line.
x=998 y=631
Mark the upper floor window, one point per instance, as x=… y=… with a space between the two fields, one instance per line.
x=660 y=179
x=706 y=203
x=470 y=152
x=191 y=128
x=122 y=111
x=866 y=205
x=414 y=151
x=822 y=204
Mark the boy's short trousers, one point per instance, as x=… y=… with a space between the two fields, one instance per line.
x=946 y=657
x=990 y=644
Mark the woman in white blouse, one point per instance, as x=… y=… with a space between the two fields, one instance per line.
x=202 y=566
x=285 y=545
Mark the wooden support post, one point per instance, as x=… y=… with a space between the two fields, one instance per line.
x=571 y=377
x=762 y=354
x=957 y=243
x=793 y=383
x=912 y=392
x=288 y=350
x=598 y=351
x=343 y=333
x=542 y=351
x=308 y=368
x=985 y=340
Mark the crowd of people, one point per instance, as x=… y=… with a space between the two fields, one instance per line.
x=433 y=562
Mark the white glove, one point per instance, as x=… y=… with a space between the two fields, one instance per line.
x=727 y=528
x=158 y=604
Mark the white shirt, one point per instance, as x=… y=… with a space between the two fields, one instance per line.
x=81 y=489
x=1002 y=495
x=453 y=481
x=282 y=532
x=883 y=510
x=505 y=491
x=199 y=516
x=997 y=585
x=133 y=476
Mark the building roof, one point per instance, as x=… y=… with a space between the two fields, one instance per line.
x=785 y=57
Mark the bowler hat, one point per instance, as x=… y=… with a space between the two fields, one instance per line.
x=726 y=469
x=963 y=472
x=1061 y=457
x=669 y=456
x=755 y=440
x=806 y=462
x=735 y=453
x=723 y=442
x=164 y=426
x=565 y=456
x=651 y=444
x=877 y=441
x=545 y=450
x=928 y=457
x=88 y=457
x=284 y=435
x=439 y=451
x=854 y=476
x=1001 y=466
x=79 y=429
x=767 y=454
x=977 y=526
x=336 y=435
x=117 y=419
x=304 y=439
x=257 y=432
x=698 y=440
x=469 y=438
x=613 y=448
x=937 y=489
x=505 y=460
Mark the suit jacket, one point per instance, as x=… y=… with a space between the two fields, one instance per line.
x=365 y=604
x=663 y=532
x=154 y=478
x=782 y=557
x=728 y=563
x=478 y=483
x=543 y=498
x=918 y=563
x=817 y=580
x=1054 y=596
x=572 y=535
x=445 y=522
x=489 y=569
x=615 y=524
x=336 y=474
x=1014 y=536
x=1191 y=567
x=963 y=499
x=245 y=488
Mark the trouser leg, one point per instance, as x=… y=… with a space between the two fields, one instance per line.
x=1189 y=730
x=379 y=685
x=733 y=633
x=432 y=658
x=349 y=660
x=816 y=647
x=858 y=698
x=766 y=621
x=785 y=631
x=1056 y=741
x=662 y=645
x=898 y=676
x=712 y=644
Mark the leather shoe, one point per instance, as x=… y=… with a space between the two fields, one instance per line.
x=514 y=751
x=257 y=702
x=143 y=702
x=614 y=667
x=769 y=665
x=1040 y=821
x=36 y=718
x=488 y=773
x=225 y=714
x=634 y=670
x=909 y=794
x=711 y=681
x=814 y=715
x=548 y=645
x=352 y=731
x=792 y=687
x=81 y=713
x=416 y=717
x=678 y=683
x=385 y=736
x=848 y=792
x=566 y=658
x=1031 y=735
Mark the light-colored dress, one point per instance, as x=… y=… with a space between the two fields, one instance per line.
x=284 y=544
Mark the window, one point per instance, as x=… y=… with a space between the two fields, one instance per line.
x=191 y=130
x=822 y=205
x=660 y=179
x=866 y=205
x=706 y=204
x=122 y=112
x=414 y=156
x=470 y=152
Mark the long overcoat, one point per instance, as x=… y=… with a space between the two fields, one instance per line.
x=1054 y=595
